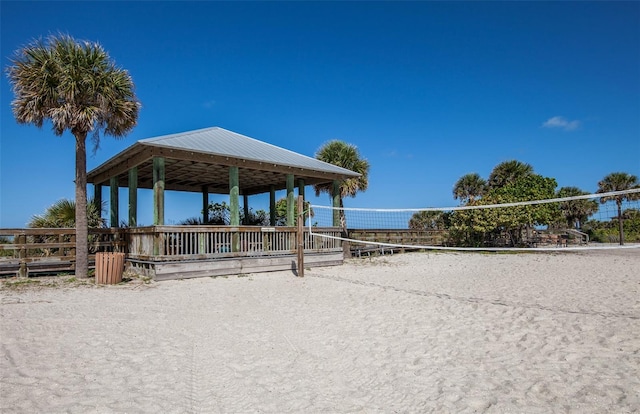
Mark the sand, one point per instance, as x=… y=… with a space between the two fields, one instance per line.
x=419 y=332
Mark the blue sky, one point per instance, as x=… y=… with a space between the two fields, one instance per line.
x=428 y=91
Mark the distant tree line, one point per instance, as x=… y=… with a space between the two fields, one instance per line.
x=220 y=214
x=515 y=181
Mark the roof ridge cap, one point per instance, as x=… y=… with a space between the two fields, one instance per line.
x=185 y=133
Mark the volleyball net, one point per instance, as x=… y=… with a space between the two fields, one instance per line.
x=590 y=221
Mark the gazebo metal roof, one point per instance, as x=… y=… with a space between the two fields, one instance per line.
x=200 y=158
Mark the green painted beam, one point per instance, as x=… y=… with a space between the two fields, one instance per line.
x=301 y=194
x=272 y=205
x=234 y=206
x=113 y=202
x=205 y=204
x=133 y=197
x=290 y=201
x=245 y=206
x=97 y=197
x=234 y=195
x=158 y=191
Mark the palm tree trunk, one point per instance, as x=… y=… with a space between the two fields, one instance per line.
x=82 y=230
x=343 y=218
x=620 y=226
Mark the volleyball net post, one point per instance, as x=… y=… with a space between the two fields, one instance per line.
x=300 y=236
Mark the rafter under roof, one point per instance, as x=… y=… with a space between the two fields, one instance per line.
x=201 y=158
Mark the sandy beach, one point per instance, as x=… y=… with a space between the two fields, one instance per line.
x=407 y=333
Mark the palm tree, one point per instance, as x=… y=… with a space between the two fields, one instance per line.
x=429 y=220
x=576 y=212
x=346 y=156
x=469 y=187
x=508 y=172
x=77 y=87
x=619 y=181
x=281 y=212
x=62 y=214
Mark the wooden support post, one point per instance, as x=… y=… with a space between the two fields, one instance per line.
x=301 y=194
x=157 y=242
x=234 y=206
x=22 y=254
x=133 y=197
x=73 y=251
x=97 y=197
x=337 y=222
x=61 y=249
x=116 y=243
x=158 y=191
x=245 y=204
x=272 y=205
x=234 y=194
x=22 y=271
x=290 y=201
x=300 y=238
x=205 y=204
x=113 y=203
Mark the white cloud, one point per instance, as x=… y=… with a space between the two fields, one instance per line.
x=562 y=123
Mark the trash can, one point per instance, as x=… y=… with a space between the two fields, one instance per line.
x=109 y=268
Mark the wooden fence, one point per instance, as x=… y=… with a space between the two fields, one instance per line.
x=52 y=250
x=399 y=240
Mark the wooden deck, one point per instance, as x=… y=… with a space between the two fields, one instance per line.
x=178 y=252
x=170 y=252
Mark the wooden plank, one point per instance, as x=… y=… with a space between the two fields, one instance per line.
x=12 y=268
x=34 y=246
x=185 y=270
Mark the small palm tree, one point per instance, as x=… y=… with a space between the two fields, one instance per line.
x=469 y=187
x=508 y=172
x=576 y=212
x=346 y=156
x=77 y=87
x=429 y=220
x=619 y=181
x=62 y=214
x=281 y=212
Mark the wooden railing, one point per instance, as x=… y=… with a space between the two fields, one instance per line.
x=52 y=250
x=206 y=242
x=26 y=251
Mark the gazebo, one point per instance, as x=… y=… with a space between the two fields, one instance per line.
x=214 y=161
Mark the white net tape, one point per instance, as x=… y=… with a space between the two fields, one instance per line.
x=582 y=222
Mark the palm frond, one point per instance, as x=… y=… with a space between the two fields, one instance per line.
x=75 y=85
